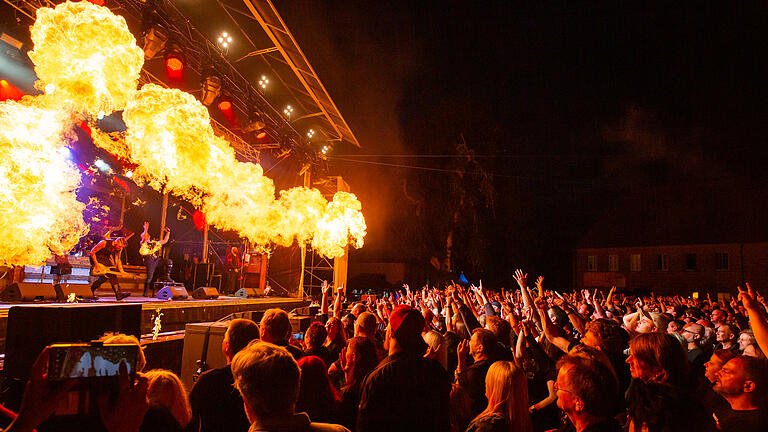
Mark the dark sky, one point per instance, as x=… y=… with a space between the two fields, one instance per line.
x=581 y=102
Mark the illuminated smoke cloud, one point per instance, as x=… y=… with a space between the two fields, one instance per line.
x=87 y=53
x=39 y=211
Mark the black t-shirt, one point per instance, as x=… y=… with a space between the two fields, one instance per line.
x=216 y=404
x=729 y=420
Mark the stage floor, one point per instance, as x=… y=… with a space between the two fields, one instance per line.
x=175 y=313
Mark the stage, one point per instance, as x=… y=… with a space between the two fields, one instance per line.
x=175 y=313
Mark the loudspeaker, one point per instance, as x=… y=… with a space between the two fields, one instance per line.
x=246 y=293
x=22 y=291
x=201 y=274
x=173 y=292
x=205 y=293
x=80 y=290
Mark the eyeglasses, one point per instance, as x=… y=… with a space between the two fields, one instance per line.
x=558 y=387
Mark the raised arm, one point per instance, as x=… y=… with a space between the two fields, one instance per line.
x=550 y=330
x=337 y=302
x=324 y=302
x=756 y=318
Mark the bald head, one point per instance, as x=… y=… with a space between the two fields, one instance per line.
x=365 y=325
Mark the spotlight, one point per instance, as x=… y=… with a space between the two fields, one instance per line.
x=263 y=82
x=211 y=87
x=100 y=116
x=174 y=64
x=50 y=88
x=288 y=110
x=256 y=124
x=103 y=166
x=326 y=148
x=65 y=152
x=310 y=133
x=225 y=40
x=154 y=41
x=225 y=105
x=129 y=174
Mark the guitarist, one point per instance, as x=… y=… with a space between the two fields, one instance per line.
x=104 y=255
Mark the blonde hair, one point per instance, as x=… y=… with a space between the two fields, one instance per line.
x=124 y=339
x=507 y=391
x=435 y=339
x=166 y=389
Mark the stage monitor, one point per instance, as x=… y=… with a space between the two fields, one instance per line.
x=32 y=328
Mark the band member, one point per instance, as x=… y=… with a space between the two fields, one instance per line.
x=104 y=255
x=232 y=267
x=61 y=269
x=152 y=251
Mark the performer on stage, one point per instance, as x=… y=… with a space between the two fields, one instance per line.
x=104 y=255
x=153 y=253
x=61 y=268
x=232 y=271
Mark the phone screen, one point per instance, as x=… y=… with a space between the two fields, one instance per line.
x=85 y=361
x=298 y=336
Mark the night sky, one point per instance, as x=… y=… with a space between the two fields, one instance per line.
x=581 y=104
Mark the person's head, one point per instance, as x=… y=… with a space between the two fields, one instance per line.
x=585 y=387
x=693 y=333
x=239 y=334
x=268 y=378
x=436 y=341
x=404 y=331
x=365 y=325
x=586 y=310
x=348 y=322
x=656 y=323
x=500 y=328
x=357 y=309
x=361 y=359
x=506 y=389
x=675 y=326
x=482 y=345
x=743 y=376
x=746 y=337
x=718 y=316
x=336 y=332
x=124 y=339
x=119 y=243
x=658 y=357
x=605 y=335
x=275 y=326
x=753 y=350
x=165 y=389
x=726 y=334
x=656 y=407
x=716 y=362
x=557 y=316
x=315 y=336
x=316 y=394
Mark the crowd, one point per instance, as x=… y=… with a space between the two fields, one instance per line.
x=465 y=359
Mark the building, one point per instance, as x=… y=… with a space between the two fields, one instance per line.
x=679 y=240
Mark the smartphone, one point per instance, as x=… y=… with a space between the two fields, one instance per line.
x=298 y=336
x=67 y=361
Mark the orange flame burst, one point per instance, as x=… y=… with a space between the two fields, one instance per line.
x=39 y=211
x=88 y=54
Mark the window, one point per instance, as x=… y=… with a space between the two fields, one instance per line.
x=690 y=261
x=635 y=263
x=591 y=263
x=613 y=263
x=662 y=262
x=721 y=261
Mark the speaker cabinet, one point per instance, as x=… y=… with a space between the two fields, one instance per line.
x=24 y=291
x=79 y=290
x=172 y=292
x=205 y=293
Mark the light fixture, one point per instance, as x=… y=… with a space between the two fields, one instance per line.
x=174 y=64
x=50 y=88
x=225 y=40
x=129 y=174
x=256 y=124
x=100 y=116
x=263 y=82
x=211 y=87
x=310 y=133
x=154 y=41
x=288 y=110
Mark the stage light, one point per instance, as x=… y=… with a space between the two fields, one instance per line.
x=211 y=87
x=256 y=124
x=154 y=41
x=50 y=88
x=261 y=134
x=263 y=82
x=310 y=133
x=225 y=105
x=288 y=110
x=100 y=116
x=225 y=40
x=65 y=152
x=129 y=173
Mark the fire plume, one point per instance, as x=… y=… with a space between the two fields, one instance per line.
x=39 y=211
x=88 y=54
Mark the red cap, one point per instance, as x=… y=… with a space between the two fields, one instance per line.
x=407 y=325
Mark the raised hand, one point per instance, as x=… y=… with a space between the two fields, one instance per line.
x=462 y=351
x=748 y=297
x=521 y=278
x=325 y=287
x=541 y=303
x=126 y=412
x=540 y=285
x=432 y=352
